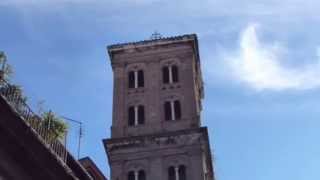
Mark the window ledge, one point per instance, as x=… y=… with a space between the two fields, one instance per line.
x=171 y=86
x=136 y=90
x=136 y=126
x=174 y=121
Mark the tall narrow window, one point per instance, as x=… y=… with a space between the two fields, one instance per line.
x=165 y=75
x=136 y=115
x=171 y=173
x=182 y=172
x=167 y=111
x=141 y=175
x=177 y=173
x=131 y=175
x=172 y=110
x=175 y=76
x=131 y=116
x=177 y=109
x=136 y=79
x=140 y=114
x=137 y=175
x=170 y=74
x=131 y=79
x=140 y=78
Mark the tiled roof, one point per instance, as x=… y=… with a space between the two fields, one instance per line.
x=145 y=42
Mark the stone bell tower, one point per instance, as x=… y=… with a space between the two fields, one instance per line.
x=156 y=131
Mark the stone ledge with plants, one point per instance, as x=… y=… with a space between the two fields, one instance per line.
x=47 y=124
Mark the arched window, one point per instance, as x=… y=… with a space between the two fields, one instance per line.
x=136 y=115
x=177 y=109
x=177 y=173
x=182 y=172
x=172 y=110
x=165 y=75
x=131 y=79
x=171 y=173
x=131 y=116
x=175 y=74
x=140 y=78
x=141 y=175
x=131 y=175
x=137 y=175
x=167 y=111
x=136 y=79
x=170 y=74
x=140 y=114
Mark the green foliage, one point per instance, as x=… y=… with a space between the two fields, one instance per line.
x=14 y=93
x=17 y=90
x=34 y=121
x=6 y=70
x=55 y=127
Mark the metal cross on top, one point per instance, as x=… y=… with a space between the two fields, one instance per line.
x=155 y=35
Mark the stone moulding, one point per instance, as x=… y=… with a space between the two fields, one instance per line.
x=182 y=138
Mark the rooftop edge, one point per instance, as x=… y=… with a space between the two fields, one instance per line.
x=146 y=42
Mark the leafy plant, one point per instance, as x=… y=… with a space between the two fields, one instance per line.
x=18 y=92
x=55 y=127
x=34 y=121
x=14 y=94
x=6 y=70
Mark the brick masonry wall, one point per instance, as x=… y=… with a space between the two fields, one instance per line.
x=158 y=144
x=155 y=92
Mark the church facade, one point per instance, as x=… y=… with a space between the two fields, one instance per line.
x=156 y=131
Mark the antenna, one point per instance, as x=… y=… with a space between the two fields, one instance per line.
x=80 y=132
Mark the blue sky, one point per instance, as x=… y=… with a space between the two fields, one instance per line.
x=260 y=62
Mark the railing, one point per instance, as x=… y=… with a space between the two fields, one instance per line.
x=13 y=96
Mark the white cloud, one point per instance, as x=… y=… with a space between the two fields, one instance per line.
x=258 y=64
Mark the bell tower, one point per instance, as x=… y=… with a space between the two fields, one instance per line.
x=156 y=130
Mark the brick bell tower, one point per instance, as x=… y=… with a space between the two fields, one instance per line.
x=156 y=131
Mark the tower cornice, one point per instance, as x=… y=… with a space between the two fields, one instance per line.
x=114 y=48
